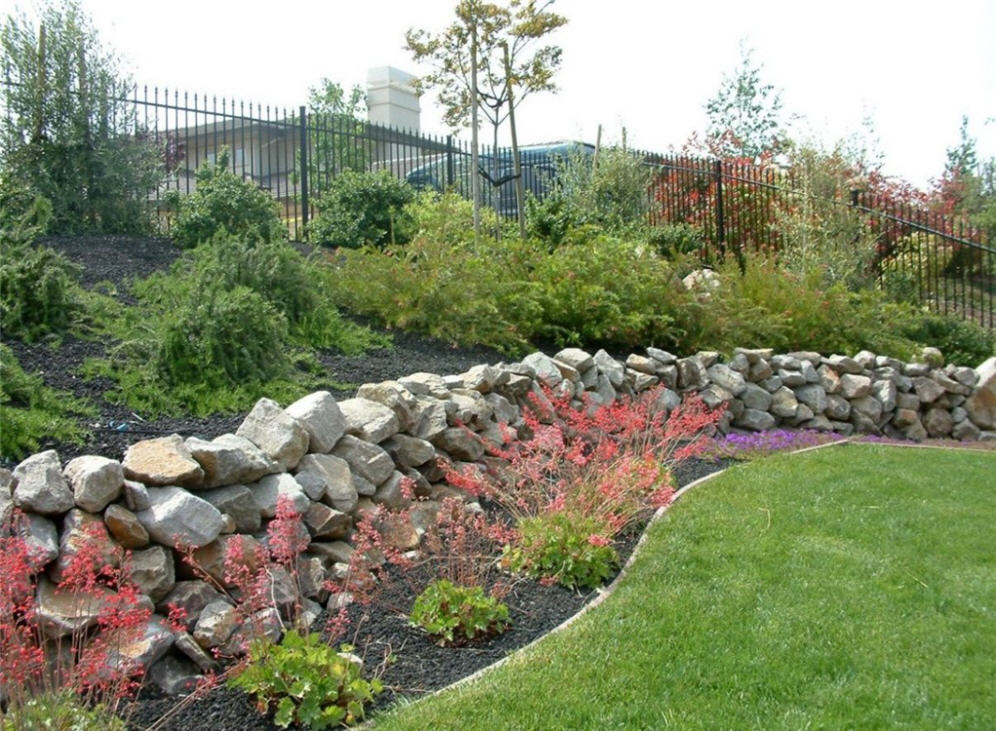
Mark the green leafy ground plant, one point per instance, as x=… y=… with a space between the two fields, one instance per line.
x=455 y=614
x=305 y=681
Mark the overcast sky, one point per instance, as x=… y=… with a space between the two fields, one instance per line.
x=913 y=68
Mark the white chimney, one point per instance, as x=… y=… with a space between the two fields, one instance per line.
x=391 y=99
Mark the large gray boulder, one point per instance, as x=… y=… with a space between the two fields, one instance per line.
x=369 y=420
x=162 y=461
x=96 y=481
x=546 y=370
x=41 y=486
x=229 y=460
x=610 y=368
x=727 y=378
x=813 y=396
x=981 y=405
x=153 y=572
x=854 y=386
x=321 y=417
x=277 y=433
x=268 y=492
x=461 y=444
x=177 y=516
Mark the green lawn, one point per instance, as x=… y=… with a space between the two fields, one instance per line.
x=849 y=587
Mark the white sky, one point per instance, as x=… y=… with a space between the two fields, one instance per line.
x=913 y=67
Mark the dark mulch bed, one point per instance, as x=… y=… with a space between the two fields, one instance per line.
x=420 y=666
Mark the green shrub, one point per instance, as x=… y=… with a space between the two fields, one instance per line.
x=363 y=209
x=454 y=614
x=39 y=293
x=30 y=412
x=559 y=546
x=306 y=681
x=672 y=240
x=224 y=202
x=961 y=341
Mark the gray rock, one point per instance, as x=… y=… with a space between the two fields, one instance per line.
x=190 y=597
x=268 y=491
x=461 y=444
x=136 y=495
x=755 y=397
x=83 y=531
x=229 y=460
x=755 y=420
x=938 y=423
x=141 y=650
x=782 y=403
x=62 y=613
x=366 y=460
x=866 y=359
x=484 y=378
x=754 y=355
x=41 y=536
x=321 y=417
x=966 y=431
x=669 y=376
x=759 y=371
x=402 y=401
x=425 y=384
x=238 y=502
x=576 y=358
x=813 y=396
x=740 y=364
x=981 y=405
x=916 y=370
x=546 y=370
x=325 y=523
x=907 y=401
x=829 y=379
x=96 y=482
x=642 y=364
x=369 y=420
x=331 y=552
x=642 y=382
x=174 y=676
x=175 y=516
x=838 y=408
x=843 y=364
x=214 y=559
x=504 y=411
x=162 y=461
x=430 y=417
x=125 y=527
x=904 y=418
x=806 y=356
x=932 y=357
x=927 y=390
x=605 y=391
x=868 y=406
x=41 y=487
x=886 y=392
x=817 y=423
x=408 y=451
x=265 y=623
x=809 y=372
x=785 y=362
x=281 y=437
x=187 y=645
x=965 y=376
x=950 y=385
x=792 y=379
x=854 y=386
x=691 y=373
x=610 y=368
x=771 y=384
x=843 y=428
x=803 y=414
x=864 y=424
x=217 y=622
x=333 y=479
x=472 y=408
x=727 y=378
x=569 y=372
x=707 y=358
x=715 y=395
x=662 y=356
x=153 y=572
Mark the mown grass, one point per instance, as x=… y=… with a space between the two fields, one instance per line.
x=850 y=587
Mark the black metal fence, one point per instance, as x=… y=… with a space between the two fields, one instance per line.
x=735 y=207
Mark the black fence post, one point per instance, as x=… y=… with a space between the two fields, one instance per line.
x=303 y=123
x=450 y=172
x=720 y=223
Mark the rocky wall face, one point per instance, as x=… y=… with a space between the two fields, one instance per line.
x=335 y=461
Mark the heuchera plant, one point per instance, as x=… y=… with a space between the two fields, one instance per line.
x=107 y=612
x=575 y=484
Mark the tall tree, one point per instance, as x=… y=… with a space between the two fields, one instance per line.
x=482 y=62
x=67 y=132
x=745 y=115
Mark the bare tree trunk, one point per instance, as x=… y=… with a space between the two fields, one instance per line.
x=495 y=174
x=475 y=157
x=520 y=192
